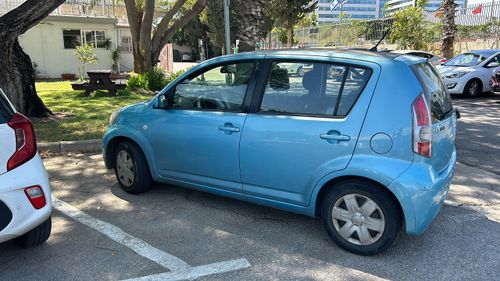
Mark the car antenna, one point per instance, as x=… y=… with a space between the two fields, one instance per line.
x=374 y=48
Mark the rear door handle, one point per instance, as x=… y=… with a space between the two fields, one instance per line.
x=335 y=136
x=228 y=128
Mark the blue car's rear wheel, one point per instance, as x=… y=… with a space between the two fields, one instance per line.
x=361 y=217
x=131 y=168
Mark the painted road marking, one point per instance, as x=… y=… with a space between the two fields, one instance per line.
x=179 y=269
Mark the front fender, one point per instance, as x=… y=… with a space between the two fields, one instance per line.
x=134 y=135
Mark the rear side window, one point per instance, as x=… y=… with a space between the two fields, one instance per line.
x=6 y=110
x=434 y=89
x=305 y=88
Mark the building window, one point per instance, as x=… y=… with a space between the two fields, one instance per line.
x=96 y=38
x=126 y=44
x=76 y=37
x=72 y=38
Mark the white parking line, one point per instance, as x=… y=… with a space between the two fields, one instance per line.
x=179 y=269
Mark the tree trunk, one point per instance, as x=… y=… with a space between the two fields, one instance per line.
x=17 y=76
x=289 y=37
x=449 y=28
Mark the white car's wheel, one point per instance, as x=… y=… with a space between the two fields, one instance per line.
x=36 y=236
x=473 y=88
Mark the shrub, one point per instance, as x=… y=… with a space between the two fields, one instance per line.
x=136 y=81
x=155 y=79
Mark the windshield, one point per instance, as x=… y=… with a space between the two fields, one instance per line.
x=467 y=59
x=434 y=88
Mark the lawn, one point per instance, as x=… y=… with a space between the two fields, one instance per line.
x=78 y=117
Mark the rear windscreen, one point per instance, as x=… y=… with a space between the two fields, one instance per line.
x=434 y=89
x=6 y=110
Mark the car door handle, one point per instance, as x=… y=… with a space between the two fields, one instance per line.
x=334 y=136
x=229 y=128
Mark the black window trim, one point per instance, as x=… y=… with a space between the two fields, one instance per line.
x=264 y=75
x=6 y=108
x=248 y=94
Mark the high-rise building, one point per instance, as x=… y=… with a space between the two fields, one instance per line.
x=431 y=5
x=351 y=9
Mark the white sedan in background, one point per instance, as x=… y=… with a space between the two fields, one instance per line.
x=470 y=73
x=25 y=199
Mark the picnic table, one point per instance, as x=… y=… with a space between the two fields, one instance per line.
x=100 y=80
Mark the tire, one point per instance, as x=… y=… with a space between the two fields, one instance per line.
x=131 y=168
x=386 y=217
x=36 y=236
x=473 y=88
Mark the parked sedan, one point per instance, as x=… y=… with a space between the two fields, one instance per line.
x=242 y=126
x=25 y=202
x=470 y=73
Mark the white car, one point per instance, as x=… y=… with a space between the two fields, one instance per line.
x=470 y=73
x=25 y=199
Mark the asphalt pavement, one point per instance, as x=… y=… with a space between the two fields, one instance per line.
x=171 y=233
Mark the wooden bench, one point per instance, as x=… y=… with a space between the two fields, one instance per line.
x=100 y=80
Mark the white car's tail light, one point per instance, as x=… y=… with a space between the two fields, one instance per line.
x=36 y=196
x=25 y=141
x=422 y=127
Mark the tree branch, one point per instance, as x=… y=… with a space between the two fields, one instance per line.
x=27 y=15
x=162 y=35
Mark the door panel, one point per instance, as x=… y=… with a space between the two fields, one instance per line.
x=189 y=145
x=197 y=139
x=301 y=133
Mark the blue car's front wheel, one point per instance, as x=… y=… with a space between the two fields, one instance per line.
x=131 y=168
x=361 y=217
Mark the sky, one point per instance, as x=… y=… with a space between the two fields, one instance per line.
x=474 y=2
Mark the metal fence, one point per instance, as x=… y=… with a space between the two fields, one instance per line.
x=79 y=8
x=478 y=28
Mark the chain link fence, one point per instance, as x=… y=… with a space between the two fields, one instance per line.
x=474 y=31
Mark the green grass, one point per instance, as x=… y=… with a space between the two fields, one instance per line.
x=78 y=117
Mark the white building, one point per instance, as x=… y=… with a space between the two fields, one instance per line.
x=52 y=43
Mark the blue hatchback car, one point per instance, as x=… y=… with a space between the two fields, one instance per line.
x=365 y=140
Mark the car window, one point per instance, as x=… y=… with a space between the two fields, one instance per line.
x=221 y=88
x=6 y=110
x=468 y=59
x=434 y=89
x=315 y=92
x=495 y=59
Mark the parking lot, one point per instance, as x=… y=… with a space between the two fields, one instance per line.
x=170 y=233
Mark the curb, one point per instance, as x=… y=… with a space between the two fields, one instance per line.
x=94 y=145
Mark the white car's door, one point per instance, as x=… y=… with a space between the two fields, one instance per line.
x=487 y=71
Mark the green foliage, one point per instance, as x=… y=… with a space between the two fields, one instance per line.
x=288 y=13
x=410 y=29
x=136 y=81
x=155 y=79
x=115 y=57
x=86 y=55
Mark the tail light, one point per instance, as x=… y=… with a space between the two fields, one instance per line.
x=36 y=196
x=25 y=141
x=422 y=127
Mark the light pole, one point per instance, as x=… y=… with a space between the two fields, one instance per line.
x=227 y=27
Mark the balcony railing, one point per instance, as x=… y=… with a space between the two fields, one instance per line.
x=78 y=8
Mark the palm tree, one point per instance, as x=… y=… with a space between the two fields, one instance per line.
x=449 y=28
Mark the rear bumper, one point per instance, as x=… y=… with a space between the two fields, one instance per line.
x=24 y=217
x=424 y=194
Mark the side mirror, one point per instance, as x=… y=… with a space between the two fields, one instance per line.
x=162 y=102
x=493 y=64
